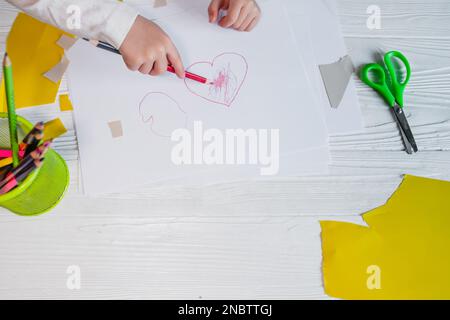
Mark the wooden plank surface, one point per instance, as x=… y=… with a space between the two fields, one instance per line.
x=239 y=240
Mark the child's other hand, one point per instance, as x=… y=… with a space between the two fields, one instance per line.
x=242 y=15
x=148 y=48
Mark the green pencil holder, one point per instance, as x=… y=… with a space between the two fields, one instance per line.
x=44 y=188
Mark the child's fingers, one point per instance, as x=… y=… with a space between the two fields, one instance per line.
x=244 y=14
x=159 y=67
x=176 y=62
x=213 y=10
x=146 y=68
x=131 y=64
x=252 y=24
x=248 y=20
x=232 y=15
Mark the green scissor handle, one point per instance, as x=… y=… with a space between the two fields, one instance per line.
x=381 y=85
x=394 y=95
x=397 y=87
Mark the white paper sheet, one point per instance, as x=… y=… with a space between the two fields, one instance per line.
x=307 y=162
x=320 y=42
x=328 y=47
x=267 y=89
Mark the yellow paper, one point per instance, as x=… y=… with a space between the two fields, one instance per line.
x=53 y=129
x=64 y=103
x=403 y=254
x=32 y=47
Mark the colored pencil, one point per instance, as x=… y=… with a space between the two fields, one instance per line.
x=13 y=181
x=37 y=138
x=12 y=118
x=35 y=155
x=171 y=69
x=13 y=176
x=38 y=127
x=22 y=167
x=8 y=153
x=36 y=164
x=6 y=162
x=190 y=75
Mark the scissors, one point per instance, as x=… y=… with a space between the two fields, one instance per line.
x=393 y=94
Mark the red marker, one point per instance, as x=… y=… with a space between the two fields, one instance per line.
x=108 y=47
x=190 y=75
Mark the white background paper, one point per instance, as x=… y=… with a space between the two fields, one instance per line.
x=275 y=95
x=328 y=47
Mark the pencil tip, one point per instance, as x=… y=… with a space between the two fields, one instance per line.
x=6 y=60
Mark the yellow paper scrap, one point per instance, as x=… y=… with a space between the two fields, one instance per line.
x=53 y=129
x=64 y=103
x=404 y=253
x=32 y=47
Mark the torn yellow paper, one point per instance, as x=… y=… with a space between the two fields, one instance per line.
x=64 y=103
x=33 y=50
x=53 y=129
x=404 y=253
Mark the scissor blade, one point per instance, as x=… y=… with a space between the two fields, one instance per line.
x=406 y=143
x=408 y=147
x=405 y=128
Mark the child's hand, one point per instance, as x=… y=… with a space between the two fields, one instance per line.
x=242 y=15
x=148 y=48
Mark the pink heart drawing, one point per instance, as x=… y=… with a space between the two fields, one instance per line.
x=162 y=113
x=227 y=73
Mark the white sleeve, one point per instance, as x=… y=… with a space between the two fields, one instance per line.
x=105 y=20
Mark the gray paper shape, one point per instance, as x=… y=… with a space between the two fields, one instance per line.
x=66 y=42
x=56 y=73
x=336 y=77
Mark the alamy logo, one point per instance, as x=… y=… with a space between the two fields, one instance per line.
x=374 y=20
x=73 y=281
x=73 y=22
x=374 y=279
x=227 y=147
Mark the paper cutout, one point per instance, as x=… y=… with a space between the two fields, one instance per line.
x=162 y=114
x=227 y=72
x=116 y=129
x=53 y=129
x=160 y=3
x=66 y=42
x=336 y=77
x=56 y=73
x=64 y=103
x=402 y=254
x=32 y=47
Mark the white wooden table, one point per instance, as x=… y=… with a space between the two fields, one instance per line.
x=243 y=240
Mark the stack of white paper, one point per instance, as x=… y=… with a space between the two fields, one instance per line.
x=261 y=117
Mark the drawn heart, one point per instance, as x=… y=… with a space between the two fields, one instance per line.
x=162 y=114
x=227 y=73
